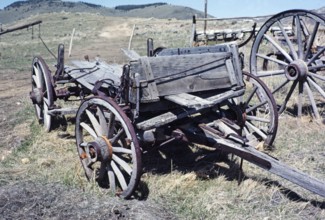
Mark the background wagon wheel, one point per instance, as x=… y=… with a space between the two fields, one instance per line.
x=42 y=93
x=259 y=111
x=295 y=39
x=108 y=147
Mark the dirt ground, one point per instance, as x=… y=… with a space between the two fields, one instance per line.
x=14 y=87
x=30 y=200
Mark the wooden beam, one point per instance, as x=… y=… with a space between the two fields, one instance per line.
x=20 y=27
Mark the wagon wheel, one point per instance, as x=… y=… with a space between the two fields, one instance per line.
x=108 y=147
x=259 y=113
x=42 y=92
x=295 y=69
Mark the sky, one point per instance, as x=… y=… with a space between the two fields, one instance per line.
x=219 y=8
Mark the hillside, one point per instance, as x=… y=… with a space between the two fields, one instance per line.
x=24 y=9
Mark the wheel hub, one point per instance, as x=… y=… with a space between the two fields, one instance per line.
x=99 y=150
x=297 y=70
x=36 y=95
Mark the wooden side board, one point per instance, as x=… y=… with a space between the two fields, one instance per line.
x=169 y=75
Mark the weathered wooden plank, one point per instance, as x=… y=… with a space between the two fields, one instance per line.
x=152 y=87
x=189 y=101
x=185 y=73
x=157 y=121
x=195 y=50
x=169 y=117
x=82 y=81
x=218 y=98
x=88 y=73
x=226 y=47
x=267 y=162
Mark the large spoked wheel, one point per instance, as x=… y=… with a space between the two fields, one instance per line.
x=42 y=92
x=107 y=145
x=288 y=55
x=257 y=113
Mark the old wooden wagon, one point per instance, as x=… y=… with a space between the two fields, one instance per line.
x=184 y=94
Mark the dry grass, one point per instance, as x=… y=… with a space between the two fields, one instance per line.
x=208 y=191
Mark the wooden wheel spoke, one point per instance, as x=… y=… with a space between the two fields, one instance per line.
x=246 y=131
x=304 y=28
x=311 y=40
x=293 y=86
x=123 y=164
x=36 y=81
x=254 y=118
x=319 y=89
x=255 y=107
x=88 y=129
x=94 y=123
x=119 y=175
x=299 y=37
x=312 y=100
x=102 y=122
x=250 y=96
x=317 y=67
x=320 y=52
x=117 y=136
x=300 y=96
x=37 y=76
x=280 y=86
x=89 y=163
x=102 y=171
x=84 y=144
x=38 y=111
x=278 y=47
x=272 y=59
x=270 y=73
x=111 y=179
x=122 y=150
x=314 y=75
x=46 y=101
x=292 y=50
x=111 y=125
x=255 y=129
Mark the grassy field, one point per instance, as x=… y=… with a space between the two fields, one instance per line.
x=193 y=190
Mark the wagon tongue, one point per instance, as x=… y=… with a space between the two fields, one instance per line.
x=226 y=139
